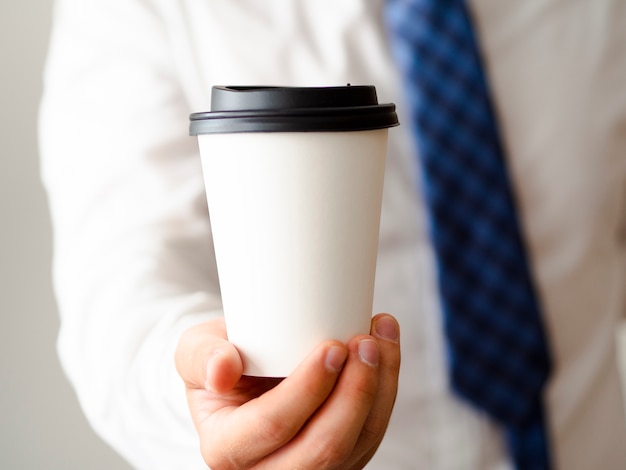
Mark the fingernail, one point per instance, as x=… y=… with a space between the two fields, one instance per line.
x=368 y=352
x=335 y=358
x=386 y=328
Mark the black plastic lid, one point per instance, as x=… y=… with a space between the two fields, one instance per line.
x=293 y=109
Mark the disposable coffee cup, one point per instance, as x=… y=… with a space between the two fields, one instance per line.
x=294 y=181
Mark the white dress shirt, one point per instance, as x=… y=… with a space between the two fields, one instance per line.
x=134 y=264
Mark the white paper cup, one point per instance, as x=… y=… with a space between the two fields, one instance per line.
x=295 y=217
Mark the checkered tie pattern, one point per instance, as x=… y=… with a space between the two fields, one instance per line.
x=497 y=348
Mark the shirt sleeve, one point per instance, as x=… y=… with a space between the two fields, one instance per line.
x=133 y=257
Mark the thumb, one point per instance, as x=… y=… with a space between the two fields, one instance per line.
x=206 y=360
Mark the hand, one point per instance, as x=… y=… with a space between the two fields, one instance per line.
x=331 y=412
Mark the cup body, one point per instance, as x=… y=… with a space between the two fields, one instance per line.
x=295 y=219
x=294 y=181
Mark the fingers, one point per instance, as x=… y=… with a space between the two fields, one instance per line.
x=206 y=360
x=241 y=436
x=386 y=329
x=349 y=426
x=332 y=410
x=330 y=435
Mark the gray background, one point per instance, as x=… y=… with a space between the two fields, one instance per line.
x=41 y=425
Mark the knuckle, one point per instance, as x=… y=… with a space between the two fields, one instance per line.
x=372 y=429
x=222 y=457
x=330 y=455
x=214 y=460
x=218 y=452
x=366 y=390
x=272 y=429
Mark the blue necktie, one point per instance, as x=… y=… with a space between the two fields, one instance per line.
x=497 y=349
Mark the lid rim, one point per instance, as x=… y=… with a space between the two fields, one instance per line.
x=293 y=109
x=280 y=125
